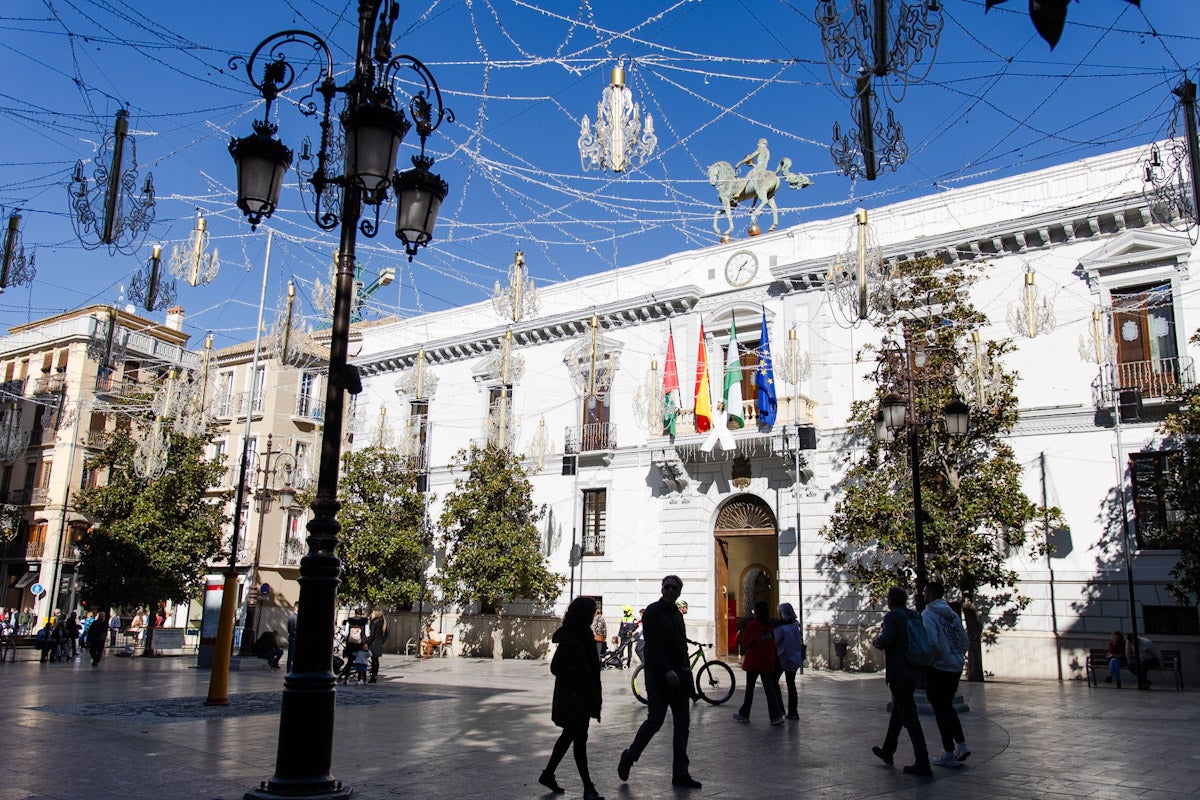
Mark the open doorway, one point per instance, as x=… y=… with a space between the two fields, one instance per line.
x=746 y=555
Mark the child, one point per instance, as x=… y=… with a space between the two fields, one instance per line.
x=362 y=660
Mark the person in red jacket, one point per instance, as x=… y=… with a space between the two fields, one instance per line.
x=758 y=642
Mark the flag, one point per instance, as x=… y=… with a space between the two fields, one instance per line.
x=703 y=395
x=733 y=381
x=670 y=387
x=764 y=378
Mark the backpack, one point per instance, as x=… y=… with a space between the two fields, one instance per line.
x=920 y=652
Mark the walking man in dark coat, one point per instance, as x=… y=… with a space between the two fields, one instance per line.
x=902 y=680
x=668 y=683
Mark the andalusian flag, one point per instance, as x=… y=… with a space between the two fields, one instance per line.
x=733 y=381
x=670 y=387
x=764 y=378
x=703 y=394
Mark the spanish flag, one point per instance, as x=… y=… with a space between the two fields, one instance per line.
x=703 y=392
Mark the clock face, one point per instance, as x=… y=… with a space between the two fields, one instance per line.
x=741 y=267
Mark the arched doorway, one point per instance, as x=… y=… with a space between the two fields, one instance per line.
x=746 y=558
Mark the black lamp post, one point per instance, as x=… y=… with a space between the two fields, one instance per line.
x=897 y=412
x=373 y=127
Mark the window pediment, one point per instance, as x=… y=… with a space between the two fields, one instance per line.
x=1145 y=254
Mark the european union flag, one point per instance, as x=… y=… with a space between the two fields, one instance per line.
x=764 y=379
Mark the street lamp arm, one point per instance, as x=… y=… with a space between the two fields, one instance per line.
x=279 y=74
x=419 y=105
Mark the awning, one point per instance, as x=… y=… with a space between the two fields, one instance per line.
x=26 y=579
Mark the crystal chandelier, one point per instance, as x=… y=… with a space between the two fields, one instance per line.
x=106 y=211
x=1171 y=178
x=15 y=270
x=1034 y=314
x=417 y=382
x=793 y=364
x=860 y=284
x=648 y=402
x=979 y=380
x=193 y=263
x=520 y=298
x=889 y=42
x=150 y=456
x=618 y=140
x=1097 y=346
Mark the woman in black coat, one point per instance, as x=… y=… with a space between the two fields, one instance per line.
x=576 y=669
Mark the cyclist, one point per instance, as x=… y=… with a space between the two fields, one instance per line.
x=668 y=684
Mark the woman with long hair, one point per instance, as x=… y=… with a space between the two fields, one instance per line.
x=576 y=669
x=758 y=643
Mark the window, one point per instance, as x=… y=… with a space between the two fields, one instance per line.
x=748 y=358
x=292 y=547
x=225 y=394
x=1159 y=523
x=1147 y=345
x=418 y=431
x=1170 y=620
x=304 y=398
x=596 y=428
x=36 y=544
x=595 y=521
x=5 y=481
x=260 y=382
x=500 y=415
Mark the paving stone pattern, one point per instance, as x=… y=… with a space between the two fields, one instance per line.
x=472 y=728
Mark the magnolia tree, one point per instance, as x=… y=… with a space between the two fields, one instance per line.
x=1182 y=427
x=976 y=515
x=493 y=548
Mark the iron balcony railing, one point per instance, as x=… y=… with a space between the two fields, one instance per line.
x=1156 y=379
x=590 y=437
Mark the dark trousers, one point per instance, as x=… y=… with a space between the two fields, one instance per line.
x=793 y=700
x=770 y=688
x=904 y=714
x=97 y=651
x=662 y=697
x=940 y=688
x=1139 y=669
x=374 y=666
x=577 y=737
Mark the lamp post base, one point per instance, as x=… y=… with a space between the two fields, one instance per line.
x=319 y=792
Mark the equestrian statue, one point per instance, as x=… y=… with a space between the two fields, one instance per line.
x=758 y=186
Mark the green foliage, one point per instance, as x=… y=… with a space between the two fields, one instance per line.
x=383 y=536
x=494 y=552
x=1183 y=431
x=976 y=513
x=153 y=539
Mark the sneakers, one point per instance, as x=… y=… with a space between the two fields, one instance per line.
x=961 y=751
x=624 y=765
x=779 y=721
x=737 y=717
x=883 y=755
x=920 y=768
x=946 y=760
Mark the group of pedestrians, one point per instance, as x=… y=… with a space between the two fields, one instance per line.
x=362 y=646
x=1139 y=658
x=938 y=660
x=771 y=650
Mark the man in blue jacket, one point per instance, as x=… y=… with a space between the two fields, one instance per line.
x=902 y=680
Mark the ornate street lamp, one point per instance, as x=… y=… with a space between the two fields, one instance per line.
x=122 y=219
x=1173 y=181
x=373 y=126
x=898 y=412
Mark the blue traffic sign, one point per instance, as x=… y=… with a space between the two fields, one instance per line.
x=37 y=589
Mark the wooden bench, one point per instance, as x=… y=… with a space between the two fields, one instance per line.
x=1097 y=665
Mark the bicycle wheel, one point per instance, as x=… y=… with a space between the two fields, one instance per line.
x=715 y=682
x=639 y=690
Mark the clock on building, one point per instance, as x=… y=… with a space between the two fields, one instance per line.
x=741 y=268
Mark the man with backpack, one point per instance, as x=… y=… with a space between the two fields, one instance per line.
x=905 y=644
x=949 y=638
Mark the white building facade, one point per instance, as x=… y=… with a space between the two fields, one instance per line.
x=582 y=375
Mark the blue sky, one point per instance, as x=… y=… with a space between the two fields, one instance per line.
x=519 y=74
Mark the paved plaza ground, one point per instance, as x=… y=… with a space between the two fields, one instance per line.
x=470 y=728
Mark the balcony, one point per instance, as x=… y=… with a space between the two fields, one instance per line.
x=1158 y=380
x=34 y=550
x=594 y=437
x=309 y=410
x=39 y=496
x=50 y=384
x=17 y=497
x=799 y=410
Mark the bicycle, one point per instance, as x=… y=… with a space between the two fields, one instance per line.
x=714 y=679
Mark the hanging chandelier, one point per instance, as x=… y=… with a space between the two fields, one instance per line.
x=520 y=298
x=147 y=286
x=1097 y=346
x=107 y=210
x=193 y=263
x=891 y=43
x=618 y=139
x=1172 y=173
x=1034 y=314
x=860 y=283
x=15 y=270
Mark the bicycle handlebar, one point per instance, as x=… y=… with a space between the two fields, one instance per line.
x=699 y=644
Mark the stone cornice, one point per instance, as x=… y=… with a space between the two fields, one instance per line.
x=635 y=311
x=1008 y=237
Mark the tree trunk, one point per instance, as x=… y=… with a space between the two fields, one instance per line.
x=974 y=640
